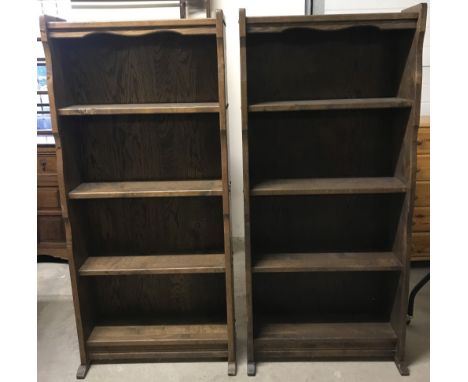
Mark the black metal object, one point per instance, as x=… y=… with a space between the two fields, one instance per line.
x=412 y=297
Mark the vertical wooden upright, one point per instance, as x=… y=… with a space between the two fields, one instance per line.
x=330 y=113
x=139 y=118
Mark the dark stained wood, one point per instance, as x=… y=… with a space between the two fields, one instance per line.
x=246 y=180
x=162 y=108
x=148 y=189
x=332 y=104
x=156 y=264
x=322 y=186
x=330 y=111
x=231 y=328
x=326 y=262
x=157 y=335
x=138 y=114
x=172 y=68
x=151 y=147
x=332 y=22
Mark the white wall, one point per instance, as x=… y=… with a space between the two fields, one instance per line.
x=259 y=8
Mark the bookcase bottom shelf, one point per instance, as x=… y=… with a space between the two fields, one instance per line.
x=305 y=341
x=129 y=343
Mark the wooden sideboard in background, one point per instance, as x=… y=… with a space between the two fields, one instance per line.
x=50 y=227
x=421 y=230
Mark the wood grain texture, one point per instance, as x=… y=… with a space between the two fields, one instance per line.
x=325 y=223
x=424 y=140
x=322 y=186
x=148 y=108
x=422 y=198
x=325 y=144
x=326 y=262
x=162 y=299
x=423 y=167
x=337 y=61
x=156 y=264
x=331 y=104
x=109 y=190
x=151 y=225
x=158 y=68
x=421 y=219
x=147 y=148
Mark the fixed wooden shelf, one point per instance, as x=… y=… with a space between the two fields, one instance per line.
x=154 y=264
x=385 y=21
x=320 y=186
x=332 y=104
x=325 y=262
x=148 y=189
x=126 y=342
x=142 y=108
x=324 y=339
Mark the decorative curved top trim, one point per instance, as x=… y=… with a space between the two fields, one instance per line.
x=131 y=32
x=94 y=25
x=332 y=22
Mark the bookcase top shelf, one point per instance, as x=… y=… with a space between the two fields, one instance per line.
x=332 y=104
x=59 y=29
x=148 y=189
x=387 y=21
x=320 y=186
x=142 y=108
x=151 y=265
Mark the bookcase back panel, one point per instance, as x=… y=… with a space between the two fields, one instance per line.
x=162 y=67
x=329 y=296
x=159 y=298
x=151 y=226
x=156 y=147
x=324 y=223
x=301 y=64
x=348 y=143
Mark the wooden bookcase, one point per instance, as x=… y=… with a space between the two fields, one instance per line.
x=330 y=112
x=139 y=117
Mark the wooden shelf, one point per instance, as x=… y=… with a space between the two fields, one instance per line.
x=385 y=21
x=149 y=189
x=156 y=264
x=310 y=340
x=325 y=262
x=332 y=104
x=320 y=186
x=158 y=342
x=142 y=108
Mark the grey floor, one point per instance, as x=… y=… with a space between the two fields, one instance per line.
x=58 y=356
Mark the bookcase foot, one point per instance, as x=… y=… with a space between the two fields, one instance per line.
x=402 y=367
x=232 y=368
x=82 y=371
x=251 y=369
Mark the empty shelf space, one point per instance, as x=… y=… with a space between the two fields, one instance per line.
x=320 y=186
x=158 y=342
x=326 y=262
x=155 y=264
x=143 y=108
x=332 y=104
x=311 y=340
x=147 y=189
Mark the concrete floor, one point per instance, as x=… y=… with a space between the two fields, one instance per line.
x=58 y=356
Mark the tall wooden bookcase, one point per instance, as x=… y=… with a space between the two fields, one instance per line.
x=330 y=112
x=139 y=117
